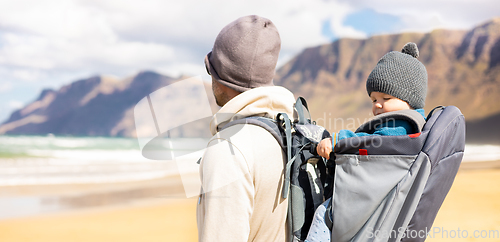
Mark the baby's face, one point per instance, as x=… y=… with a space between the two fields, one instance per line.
x=383 y=103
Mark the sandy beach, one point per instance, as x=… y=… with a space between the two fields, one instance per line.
x=473 y=205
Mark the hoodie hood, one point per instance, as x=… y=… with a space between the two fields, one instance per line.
x=262 y=101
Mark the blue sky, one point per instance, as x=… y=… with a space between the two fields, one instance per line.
x=51 y=43
x=367 y=21
x=371 y=22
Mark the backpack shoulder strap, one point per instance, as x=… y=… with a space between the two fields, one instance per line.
x=266 y=123
x=415 y=119
x=271 y=125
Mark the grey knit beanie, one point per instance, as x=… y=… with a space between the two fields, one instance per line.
x=245 y=54
x=401 y=75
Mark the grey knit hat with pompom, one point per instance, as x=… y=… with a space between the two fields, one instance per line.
x=401 y=75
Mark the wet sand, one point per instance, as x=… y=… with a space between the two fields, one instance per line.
x=472 y=204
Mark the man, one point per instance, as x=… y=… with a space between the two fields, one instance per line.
x=242 y=167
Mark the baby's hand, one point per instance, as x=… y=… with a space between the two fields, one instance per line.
x=324 y=148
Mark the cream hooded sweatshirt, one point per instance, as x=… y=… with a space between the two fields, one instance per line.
x=242 y=172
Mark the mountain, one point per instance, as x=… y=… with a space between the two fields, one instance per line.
x=463 y=69
x=97 y=106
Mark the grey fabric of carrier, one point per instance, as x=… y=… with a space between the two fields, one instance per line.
x=393 y=194
x=414 y=118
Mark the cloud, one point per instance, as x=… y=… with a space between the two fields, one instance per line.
x=191 y=26
x=121 y=38
x=117 y=37
x=14 y=104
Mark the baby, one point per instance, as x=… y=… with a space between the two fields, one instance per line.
x=398 y=82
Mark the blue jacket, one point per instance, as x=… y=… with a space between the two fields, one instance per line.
x=399 y=127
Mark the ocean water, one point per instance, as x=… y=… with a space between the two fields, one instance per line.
x=478 y=153
x=40 y=160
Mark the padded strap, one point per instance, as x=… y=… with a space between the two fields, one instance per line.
x=413 y=117
x=266 y=123
x=288 y=134
x=300 y=111
x=299 y=104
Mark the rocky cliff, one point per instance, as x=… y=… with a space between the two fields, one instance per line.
x=463 y=69
x=97 y=106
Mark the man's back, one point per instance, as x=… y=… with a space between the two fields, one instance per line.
x=243 y=198
x=242 y=172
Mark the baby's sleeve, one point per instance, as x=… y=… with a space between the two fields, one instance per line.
x=345 y=133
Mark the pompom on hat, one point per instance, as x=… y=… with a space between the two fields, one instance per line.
x=401 y=75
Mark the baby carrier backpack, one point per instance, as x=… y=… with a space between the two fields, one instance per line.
x=305 y=172
x=390 y=188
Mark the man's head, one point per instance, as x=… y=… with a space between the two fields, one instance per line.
x=245 y=54
x=222 y=93
x=400 y=75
